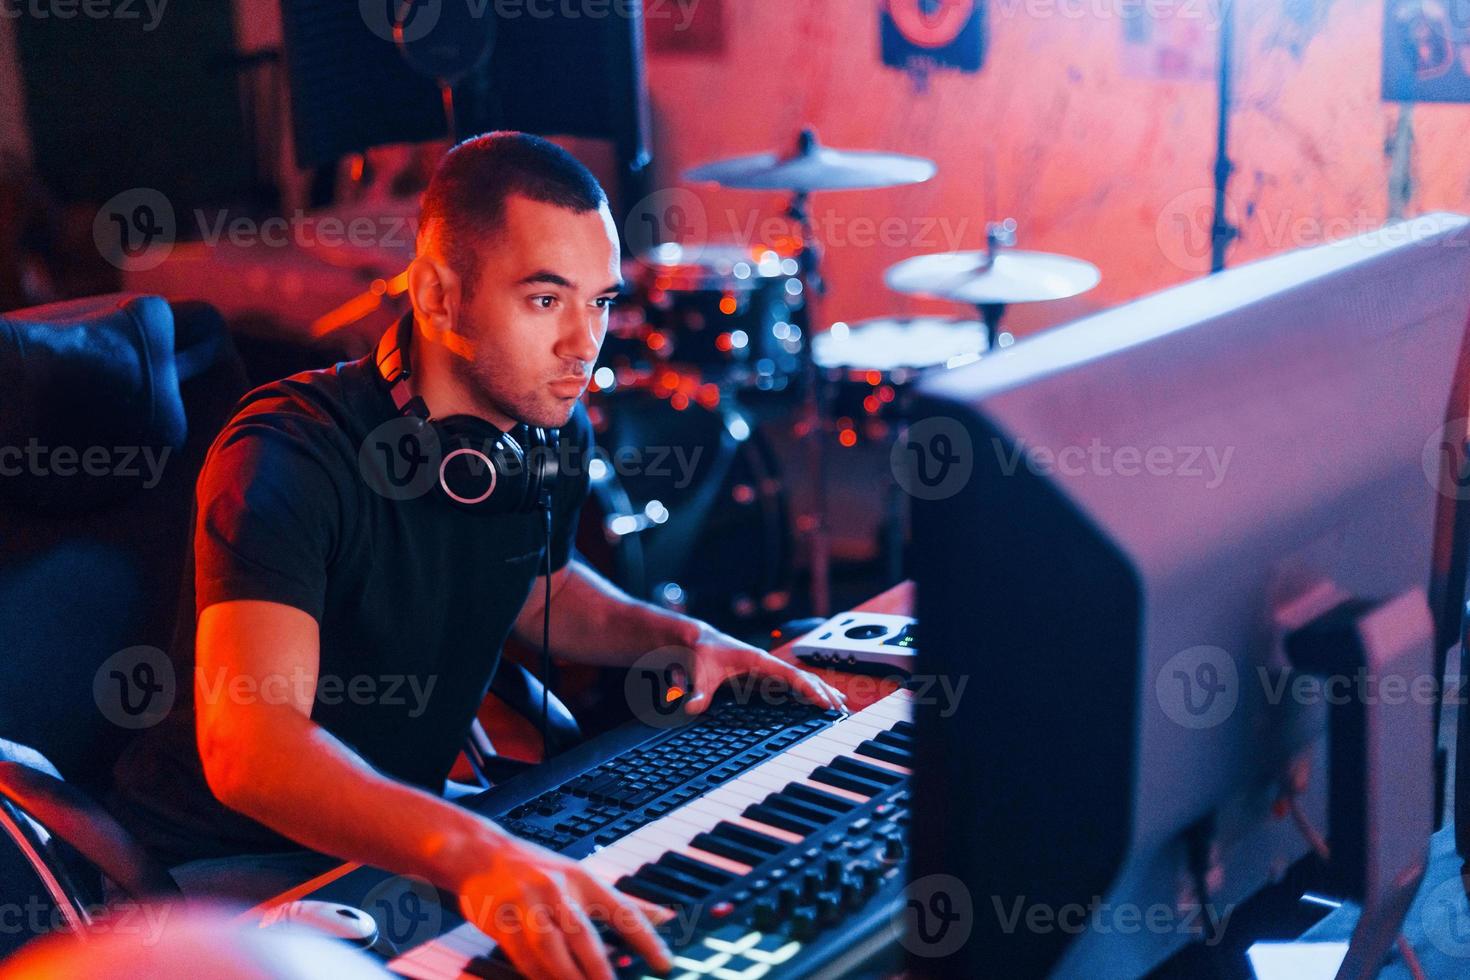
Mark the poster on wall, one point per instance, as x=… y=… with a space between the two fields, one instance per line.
x=921 y=35
x=1426 y=51
x=1166 y=42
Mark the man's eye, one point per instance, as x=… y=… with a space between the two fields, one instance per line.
x=606 y=302
x=544 y=302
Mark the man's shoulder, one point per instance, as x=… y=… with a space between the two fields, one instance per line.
x=322 y=412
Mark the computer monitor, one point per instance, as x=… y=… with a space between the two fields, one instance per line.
x=1116 y=526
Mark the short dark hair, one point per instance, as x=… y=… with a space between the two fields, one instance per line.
x=464 y=203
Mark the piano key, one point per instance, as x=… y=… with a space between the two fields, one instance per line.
x=757 y=840
x=847 y=781
x=804 y=811
x=896 y=740
x=884 y=753
x=818 y=797
x=906 y=729
x=780 y=818
x=695 y=868
x=674 y=881
x=649 y=892
x=730 y=849
x=867 y=770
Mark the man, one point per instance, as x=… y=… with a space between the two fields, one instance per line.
x=304 y=570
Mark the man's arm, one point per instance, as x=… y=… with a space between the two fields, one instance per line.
x=266 y=758
x=595 y=622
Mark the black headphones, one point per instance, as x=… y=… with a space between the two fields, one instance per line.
x=481 y=468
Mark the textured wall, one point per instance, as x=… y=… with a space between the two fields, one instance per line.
x=1091 y=158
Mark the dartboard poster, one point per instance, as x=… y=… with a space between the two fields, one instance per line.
x=921 y=34
x=1426 y=51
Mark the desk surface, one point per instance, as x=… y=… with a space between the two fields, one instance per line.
x=859 y=689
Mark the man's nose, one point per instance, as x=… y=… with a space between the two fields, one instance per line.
x=581 y=337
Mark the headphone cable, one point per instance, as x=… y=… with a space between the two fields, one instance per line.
x=546 y=636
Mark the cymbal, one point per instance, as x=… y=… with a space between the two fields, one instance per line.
x=980 y=279
x=813 y=167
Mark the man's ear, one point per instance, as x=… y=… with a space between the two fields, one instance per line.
x=434 y=291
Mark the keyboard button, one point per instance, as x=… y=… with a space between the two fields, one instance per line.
x=781 y=819
x=833 y=776
x=715 y=877
x=884 y=753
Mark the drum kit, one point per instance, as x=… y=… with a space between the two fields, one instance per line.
x=722 y=341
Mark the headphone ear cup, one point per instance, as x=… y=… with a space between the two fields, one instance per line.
x=480 y=467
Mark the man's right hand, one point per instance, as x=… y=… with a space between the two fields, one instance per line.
x=539 y=906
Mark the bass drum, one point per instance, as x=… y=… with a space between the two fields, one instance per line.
x=687 y=510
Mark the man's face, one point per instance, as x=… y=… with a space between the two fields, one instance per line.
x=538 y=314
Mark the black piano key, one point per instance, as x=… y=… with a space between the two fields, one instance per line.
x=883 y=753
x=771 y=816
x=797 y=808
x=905 y=728
x=744 y=835
x=649 y=892
x=846 y=780
x=896 y=740
x=727 y=848
x=695 y=868
x=872 y=773
x=674 y=881
x=810 y=794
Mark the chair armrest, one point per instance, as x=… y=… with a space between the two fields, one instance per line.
x=521 y=691
x=74 y=817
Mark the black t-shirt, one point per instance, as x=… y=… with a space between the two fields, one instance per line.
x=414 y=596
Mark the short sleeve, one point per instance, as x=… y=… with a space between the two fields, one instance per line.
x=268 y=519
x=572 y=487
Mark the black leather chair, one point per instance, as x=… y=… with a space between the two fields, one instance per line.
x=93 y=550
x=107 y=407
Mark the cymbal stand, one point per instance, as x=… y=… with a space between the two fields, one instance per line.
x=998 y=235
x=814 y=409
